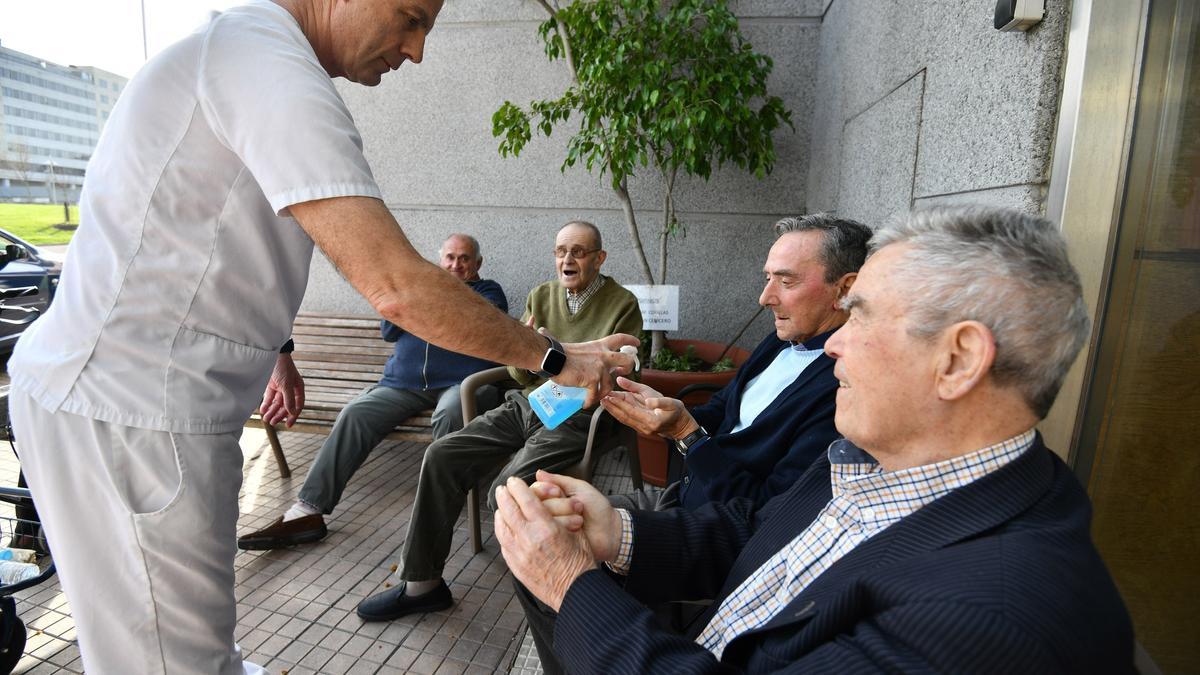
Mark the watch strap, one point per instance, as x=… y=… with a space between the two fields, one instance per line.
x=684 y=444
x=554 y=360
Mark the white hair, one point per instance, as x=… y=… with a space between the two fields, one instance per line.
x=1005 y=269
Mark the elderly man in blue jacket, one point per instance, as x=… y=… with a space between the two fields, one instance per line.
x=418 y=376
x=941 y=535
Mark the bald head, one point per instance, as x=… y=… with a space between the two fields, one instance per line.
x=460 y=256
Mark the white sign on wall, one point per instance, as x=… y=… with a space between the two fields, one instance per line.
x=659 y=305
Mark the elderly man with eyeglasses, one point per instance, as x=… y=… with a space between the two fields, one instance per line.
x=581 y=304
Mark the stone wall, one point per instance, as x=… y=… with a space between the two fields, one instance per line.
x=427 y=134
x=894 y=102
x=925 y=103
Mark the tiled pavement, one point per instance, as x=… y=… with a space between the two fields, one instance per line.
x=296 y=606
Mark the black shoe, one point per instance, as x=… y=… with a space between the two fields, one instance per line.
x=393 y=603
x=280 y=534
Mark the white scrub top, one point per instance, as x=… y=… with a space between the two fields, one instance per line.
x=186 y=272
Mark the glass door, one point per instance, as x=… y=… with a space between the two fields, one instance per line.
x=1139 y=433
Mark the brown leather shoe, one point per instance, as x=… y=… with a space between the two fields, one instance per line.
x=279 y=534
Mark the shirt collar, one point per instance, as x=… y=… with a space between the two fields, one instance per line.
x=883 y=497
x=592 y=288
x=816 y=342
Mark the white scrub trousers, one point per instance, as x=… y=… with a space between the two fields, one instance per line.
x=142 y=526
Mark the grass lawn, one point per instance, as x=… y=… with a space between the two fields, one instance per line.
x=35 y=222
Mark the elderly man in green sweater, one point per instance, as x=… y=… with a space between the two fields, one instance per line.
x=580 y=305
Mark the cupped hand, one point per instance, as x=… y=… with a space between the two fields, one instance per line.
x=648 y=411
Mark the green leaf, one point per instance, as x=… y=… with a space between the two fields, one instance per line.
x=661 y=84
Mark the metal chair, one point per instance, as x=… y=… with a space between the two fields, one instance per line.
x=599 y=443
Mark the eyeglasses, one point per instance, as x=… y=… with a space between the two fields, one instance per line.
x=576 y=252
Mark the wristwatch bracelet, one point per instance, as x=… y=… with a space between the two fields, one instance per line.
x=687 y=442
x=554 y=360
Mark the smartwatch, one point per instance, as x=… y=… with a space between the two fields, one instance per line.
x=554 y=360
x=684 y=444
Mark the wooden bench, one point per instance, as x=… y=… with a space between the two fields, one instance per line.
x=339 y=355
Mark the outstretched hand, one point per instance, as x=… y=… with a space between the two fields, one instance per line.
x=648 y=411
x=591 y=365
x=283 y=399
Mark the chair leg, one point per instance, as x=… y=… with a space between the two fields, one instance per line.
x=473 y=519
x=285 y=471
x=635 y=464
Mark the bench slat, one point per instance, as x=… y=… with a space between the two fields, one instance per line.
x=338 y=356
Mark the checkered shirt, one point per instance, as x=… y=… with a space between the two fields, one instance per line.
x=866 y=500
x=575 y=300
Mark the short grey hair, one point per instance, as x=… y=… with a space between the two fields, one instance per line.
x=844 y=247
x=1005 y=269
x=583 y=223
x=471 y=240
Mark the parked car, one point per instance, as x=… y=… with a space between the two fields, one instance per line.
x=23 y=266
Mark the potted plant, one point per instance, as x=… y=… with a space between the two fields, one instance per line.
x=670 y=86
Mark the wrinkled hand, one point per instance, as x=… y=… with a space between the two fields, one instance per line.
x=576 y=505
x=591 y=365
x=542 y=554
x=648 y=411
x=284 y=396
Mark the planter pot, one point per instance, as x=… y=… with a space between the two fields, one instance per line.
x=653 y=451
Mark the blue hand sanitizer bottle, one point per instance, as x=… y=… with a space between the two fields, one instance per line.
x=555 y=402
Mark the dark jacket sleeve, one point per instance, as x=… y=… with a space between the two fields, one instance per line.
x=391 y=332
x=601 y=629
x=711 y=414
x=811 y=429
x=493 y=293
x=677 y=554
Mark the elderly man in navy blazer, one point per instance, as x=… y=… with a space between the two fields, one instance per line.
x=940 y=535
x=759 y=433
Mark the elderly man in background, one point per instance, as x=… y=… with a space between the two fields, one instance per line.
x=229 y=156
x=417 y=376
x=581 y=303
x=940 y=535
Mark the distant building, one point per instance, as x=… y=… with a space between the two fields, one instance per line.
x=50 y=120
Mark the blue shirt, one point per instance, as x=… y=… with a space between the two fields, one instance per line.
x=768 y=384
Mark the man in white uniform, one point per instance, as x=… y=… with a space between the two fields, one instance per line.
x=227 y=157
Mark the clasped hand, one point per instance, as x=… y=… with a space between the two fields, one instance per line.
x=553 y=531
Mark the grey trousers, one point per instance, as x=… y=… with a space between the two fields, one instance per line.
x=365 y=421
x=509 y=439
x=142 y=524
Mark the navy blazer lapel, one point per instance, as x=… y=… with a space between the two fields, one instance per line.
x=962 y=514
